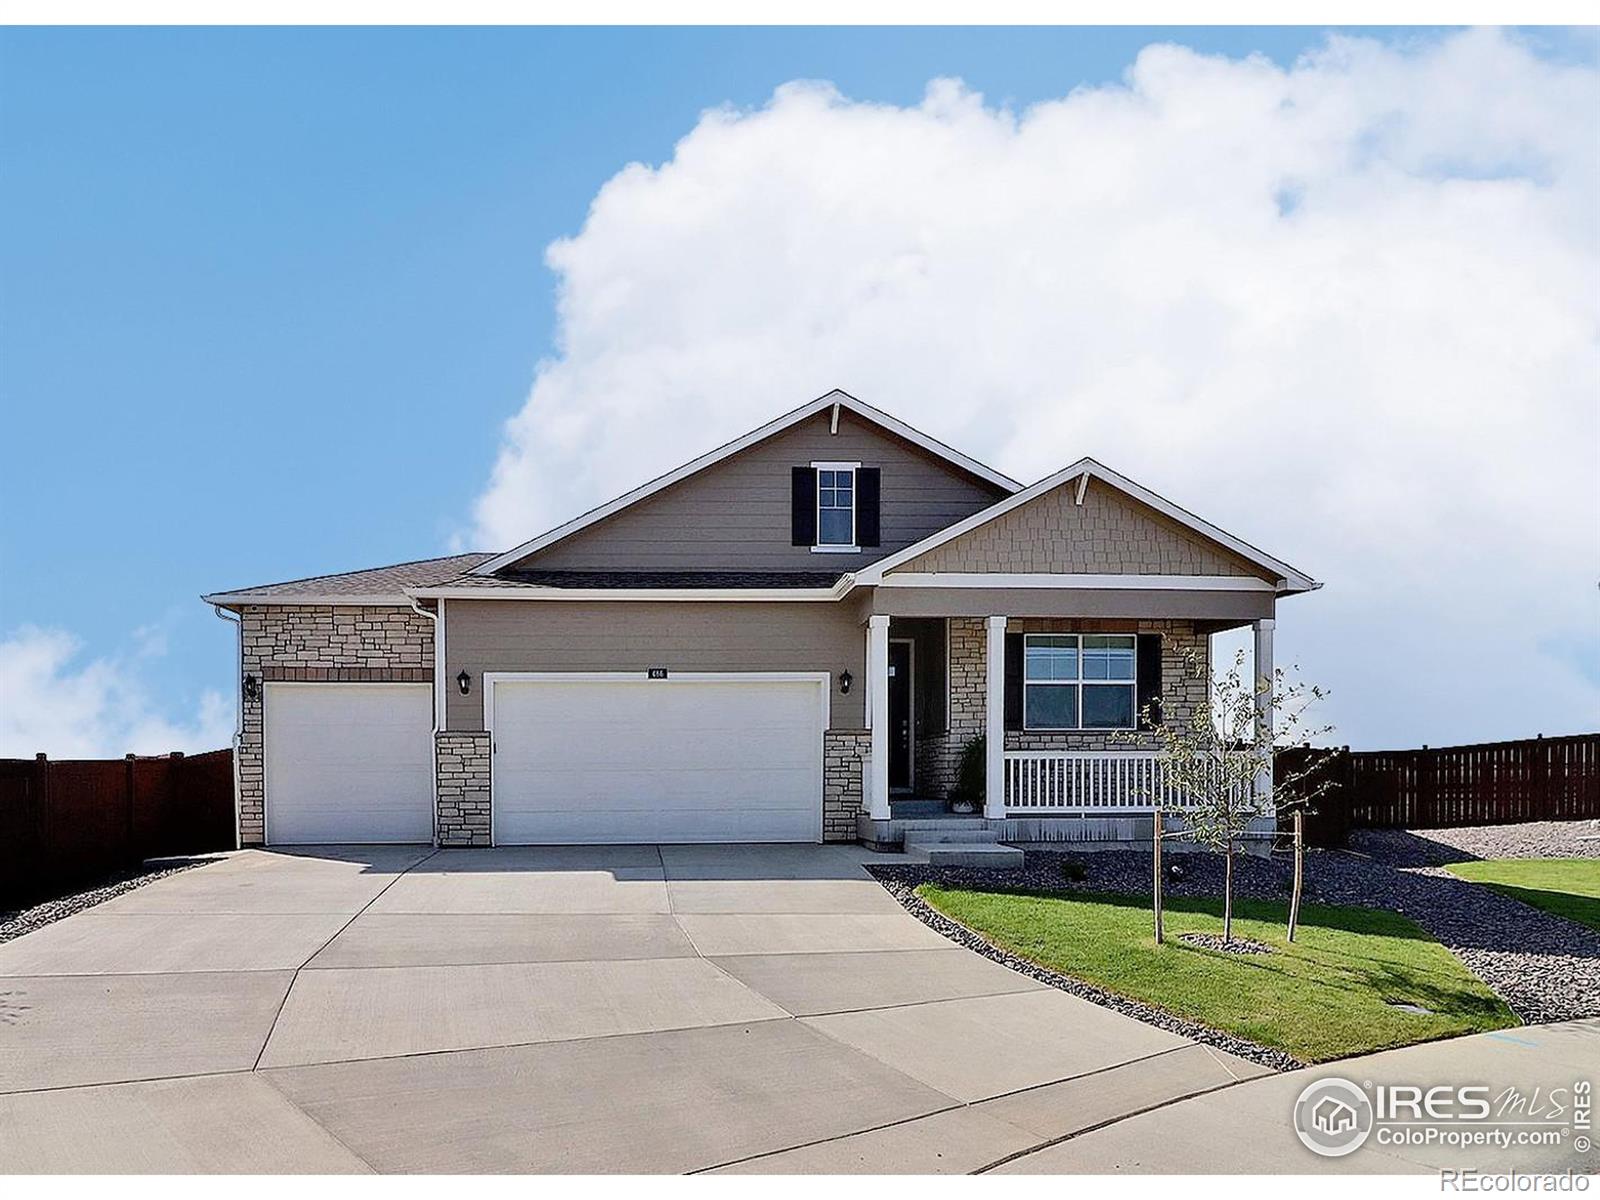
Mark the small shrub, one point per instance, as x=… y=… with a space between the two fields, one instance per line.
x=971 y=772
x=1074 y=872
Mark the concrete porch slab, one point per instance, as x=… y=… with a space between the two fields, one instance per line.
x=464 y=939
x=956 y=1142
x=66 y=1030
x=720 y=934
x=813 y=984
x=334 y=1015
x=108 y=943
x=234 y=1124
x=978 y=1048
x=663 y=1102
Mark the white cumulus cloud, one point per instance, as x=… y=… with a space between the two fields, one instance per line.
x=52 y=701
x=1346 y=309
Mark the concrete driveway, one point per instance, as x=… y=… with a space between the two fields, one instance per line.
x=642 y=1009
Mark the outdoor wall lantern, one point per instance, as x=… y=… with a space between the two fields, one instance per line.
x=845 y=680
x=464 y=682
x=252 y=687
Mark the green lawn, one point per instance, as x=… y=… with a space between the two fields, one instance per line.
x=1568 y=887
x=1323 y=997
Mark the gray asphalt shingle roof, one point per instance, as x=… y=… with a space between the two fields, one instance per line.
x=376 y=581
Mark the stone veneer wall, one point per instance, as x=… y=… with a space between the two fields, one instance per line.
x=842 y=752
x=462 y=760
x=938 y=754
x=307 y=643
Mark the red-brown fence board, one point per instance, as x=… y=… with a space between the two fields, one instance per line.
x=65 y=823
x=1496 y=783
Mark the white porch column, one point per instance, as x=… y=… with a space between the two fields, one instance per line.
x=878 y=716
x=1264 y=677
x=994 y=711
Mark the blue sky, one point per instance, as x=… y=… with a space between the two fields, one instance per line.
x=268 y=297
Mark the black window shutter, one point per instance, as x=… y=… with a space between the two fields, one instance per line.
x=1148 y=687
x=867 y=487
x=1013 y=719
x=803 y=506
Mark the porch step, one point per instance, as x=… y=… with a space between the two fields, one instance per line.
x=943 y=834
x=963 y=854
x=916 y=808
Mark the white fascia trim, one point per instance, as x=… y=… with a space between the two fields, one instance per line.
x=1157 y=583
x=836 y=397
x=766 y=595
x=367 y=600
x=1290 y=579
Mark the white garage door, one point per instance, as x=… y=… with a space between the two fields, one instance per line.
x=716 y=758
x=349 y=762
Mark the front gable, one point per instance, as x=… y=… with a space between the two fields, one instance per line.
x=735 y=514
x=1098 y=531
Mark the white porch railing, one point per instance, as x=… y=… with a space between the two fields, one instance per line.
x=1087 y=781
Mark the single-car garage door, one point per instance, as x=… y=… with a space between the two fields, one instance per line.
x=693 y=758
x=349 y=762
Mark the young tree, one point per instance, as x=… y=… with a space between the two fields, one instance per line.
x=1216 y=770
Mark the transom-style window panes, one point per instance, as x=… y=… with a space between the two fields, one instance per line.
x=1051 y=657
x=1107 y=656
x=836 y=508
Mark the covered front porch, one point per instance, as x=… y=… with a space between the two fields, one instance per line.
x=1057 y=690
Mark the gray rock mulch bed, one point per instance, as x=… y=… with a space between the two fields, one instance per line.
x=1435 y=847
x=1544 y=967
x=1215 y=941
x=901 y=883
x=16 y=922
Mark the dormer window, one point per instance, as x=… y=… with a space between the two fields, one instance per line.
x=836 y=506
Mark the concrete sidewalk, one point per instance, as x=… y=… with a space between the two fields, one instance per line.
x=1247 y=1129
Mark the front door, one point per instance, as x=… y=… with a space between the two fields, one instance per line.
x=900 y=715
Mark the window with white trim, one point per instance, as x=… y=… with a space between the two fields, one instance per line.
x=1078 y=681
x=836 y=506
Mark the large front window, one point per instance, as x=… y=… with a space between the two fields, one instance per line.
x=1078 y=681
x=836 y=506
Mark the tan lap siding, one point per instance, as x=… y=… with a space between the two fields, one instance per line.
x=624 y=635
x=734 y=516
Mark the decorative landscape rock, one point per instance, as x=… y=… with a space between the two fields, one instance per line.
x=1215 y=941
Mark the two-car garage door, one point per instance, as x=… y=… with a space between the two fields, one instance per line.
x=696 y=758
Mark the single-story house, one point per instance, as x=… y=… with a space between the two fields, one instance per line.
x=779 y=641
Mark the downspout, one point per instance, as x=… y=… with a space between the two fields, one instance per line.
x=237 y=621
x=438 y=698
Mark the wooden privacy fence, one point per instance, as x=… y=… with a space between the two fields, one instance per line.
x=65 y=823
x=1540 y=779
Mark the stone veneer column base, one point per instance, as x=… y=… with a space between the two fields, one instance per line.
x=842 y=752
x=462 y=761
